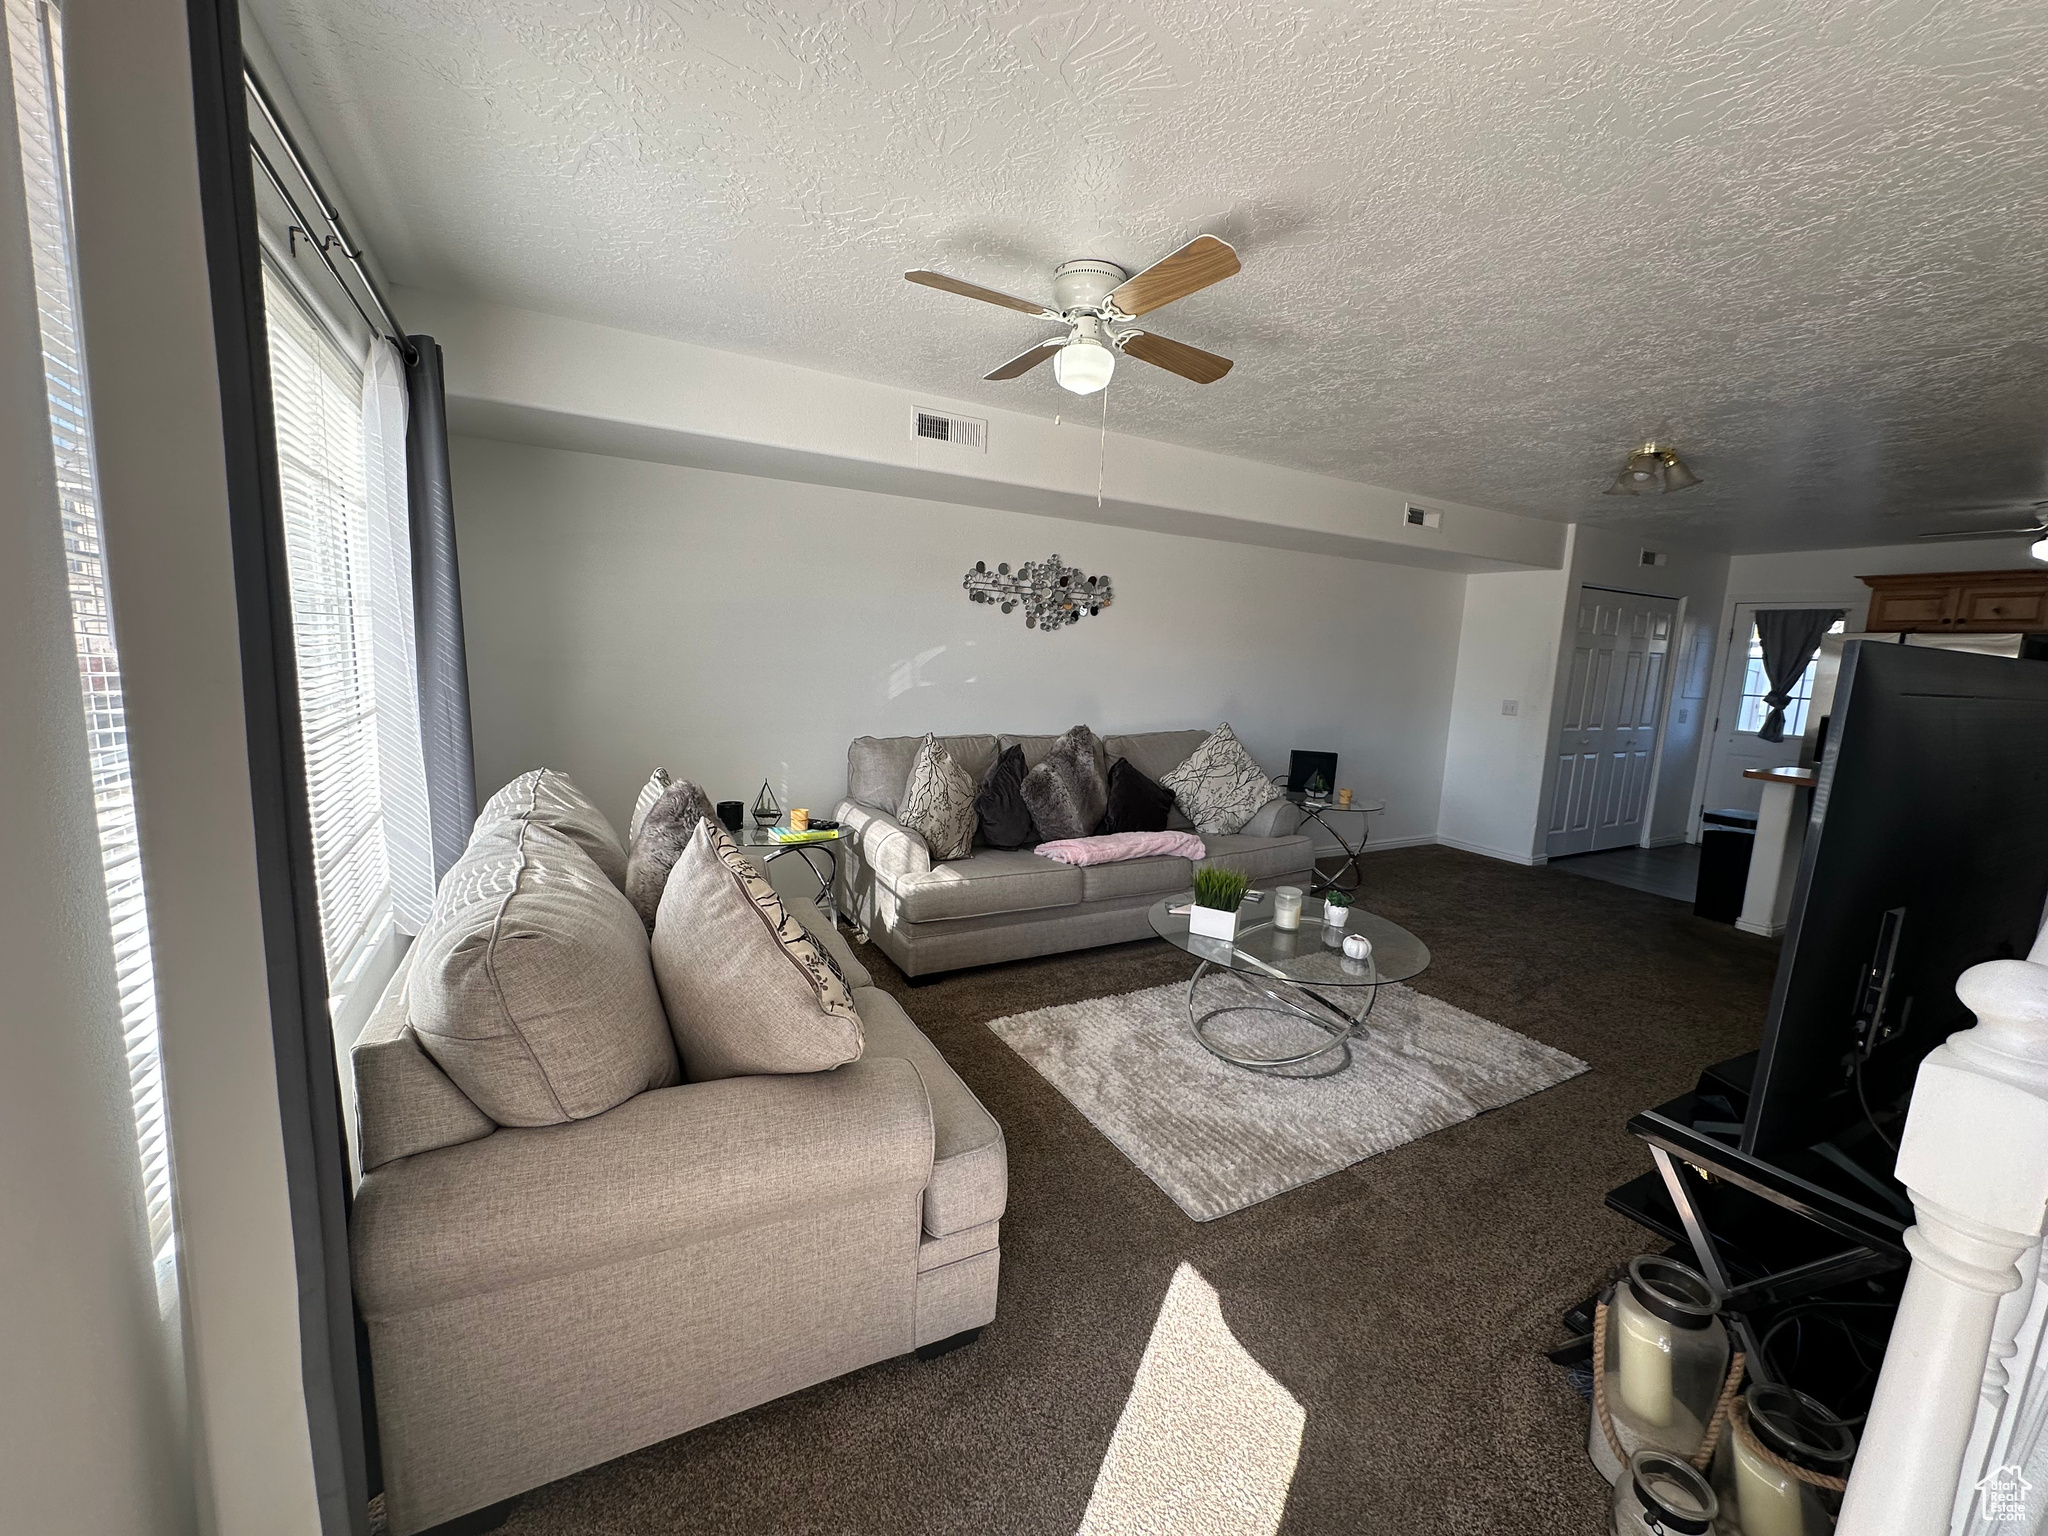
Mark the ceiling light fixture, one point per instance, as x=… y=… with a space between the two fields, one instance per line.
x=1084 y=364
x=2039 y=549
x=1652 y=471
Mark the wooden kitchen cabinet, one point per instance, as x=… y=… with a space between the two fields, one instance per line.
x=1960 y=602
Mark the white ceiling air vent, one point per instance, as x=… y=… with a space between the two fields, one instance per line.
x=960 y=431
x=1422 y=517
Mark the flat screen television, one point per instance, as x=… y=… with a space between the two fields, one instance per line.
x=1926 y=852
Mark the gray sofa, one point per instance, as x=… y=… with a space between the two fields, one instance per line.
x=542 y=1299
x=1010 y=905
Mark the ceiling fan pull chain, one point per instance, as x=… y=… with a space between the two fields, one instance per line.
x=1102 y=448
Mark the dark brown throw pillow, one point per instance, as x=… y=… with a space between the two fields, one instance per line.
x=1067 y=792
x=999 y=803
x=1136 y=803
x=662 y=838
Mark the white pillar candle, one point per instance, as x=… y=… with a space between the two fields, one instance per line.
x=1769 y=1500
x=1287 y=908
x=1644 y=1342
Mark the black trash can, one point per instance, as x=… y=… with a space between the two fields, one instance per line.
x=1727 y=839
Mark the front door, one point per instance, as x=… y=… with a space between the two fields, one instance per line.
x=1613 y=705
x=1739 y=713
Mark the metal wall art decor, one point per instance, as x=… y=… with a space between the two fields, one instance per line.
x=1052 y=593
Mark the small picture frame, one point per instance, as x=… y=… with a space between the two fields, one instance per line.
x=1313 y=774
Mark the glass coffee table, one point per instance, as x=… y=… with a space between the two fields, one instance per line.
x=1323 y=996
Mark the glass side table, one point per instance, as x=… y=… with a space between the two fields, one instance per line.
x=753 y=837
x=1318 y=811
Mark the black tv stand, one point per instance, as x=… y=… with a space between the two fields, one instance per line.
x=1764 y=1232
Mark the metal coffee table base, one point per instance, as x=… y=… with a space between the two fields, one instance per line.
x=1340 y=1025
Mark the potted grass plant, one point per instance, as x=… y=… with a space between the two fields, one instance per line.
x=1218 y=895
x=1336 y=913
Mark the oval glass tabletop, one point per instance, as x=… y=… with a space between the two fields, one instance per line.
x=1301 y=955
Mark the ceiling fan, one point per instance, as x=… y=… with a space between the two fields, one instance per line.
x=2036 y=530
x=1097 y=301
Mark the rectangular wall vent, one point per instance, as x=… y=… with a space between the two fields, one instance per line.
x=1422 y=517
x=1653 y=557
x=960 y=431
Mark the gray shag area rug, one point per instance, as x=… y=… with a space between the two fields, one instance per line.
x=1217 y=1138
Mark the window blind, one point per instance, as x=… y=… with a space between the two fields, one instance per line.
x=317 y=394
x=34 y=44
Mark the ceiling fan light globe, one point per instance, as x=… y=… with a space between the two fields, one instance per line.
x=2039 y=549
x=1083 y=366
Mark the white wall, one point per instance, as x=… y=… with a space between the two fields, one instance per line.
x=622 y=614
x=572 y=385
x=1499 y=771
x=1494 y=762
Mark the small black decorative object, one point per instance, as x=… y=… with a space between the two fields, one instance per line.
x=1313 y=774
x=1053 y=593
x=767 y=809
x=732 y=813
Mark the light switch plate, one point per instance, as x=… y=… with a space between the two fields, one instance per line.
x=1511 y=706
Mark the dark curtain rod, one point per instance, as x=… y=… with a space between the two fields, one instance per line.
x=338 y=237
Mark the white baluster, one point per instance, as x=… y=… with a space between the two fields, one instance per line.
x=1974 y=1157
x=1998 y=1396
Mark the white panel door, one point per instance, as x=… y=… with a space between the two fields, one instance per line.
x=1613 y=707
x=1735 y=749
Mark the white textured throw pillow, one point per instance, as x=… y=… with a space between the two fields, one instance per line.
x=1220 y=787
x=746 y=988
x=938 y=802
x=550 y=797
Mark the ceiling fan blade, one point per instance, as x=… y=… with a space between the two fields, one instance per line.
x=1991 y=533
x=1202 y=261
x=1024 y=362
x=1177 y=357
x=946 y=284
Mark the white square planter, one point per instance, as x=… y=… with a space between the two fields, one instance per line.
x=1212 y=923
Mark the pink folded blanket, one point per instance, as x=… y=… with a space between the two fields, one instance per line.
x=1115 y=847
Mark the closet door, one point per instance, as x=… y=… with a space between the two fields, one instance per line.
x=1607 y=739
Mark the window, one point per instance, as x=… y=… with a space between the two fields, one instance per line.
x=35 y=44
x=1755 y=685
x=316 y=389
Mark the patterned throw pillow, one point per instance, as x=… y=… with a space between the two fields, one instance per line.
x=664 y=834
x=938 y=802
x=746 y=989
x=1067 y=792
x=1220 y=787
x=657 y=785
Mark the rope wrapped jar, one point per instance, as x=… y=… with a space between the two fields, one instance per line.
x=1786 y=1463
x=1660 y=1367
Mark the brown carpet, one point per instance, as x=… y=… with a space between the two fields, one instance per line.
x=1405 y=1302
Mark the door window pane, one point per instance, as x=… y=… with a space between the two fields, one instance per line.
x=1755 y=685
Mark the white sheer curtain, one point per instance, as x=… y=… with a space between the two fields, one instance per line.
x=408 y=837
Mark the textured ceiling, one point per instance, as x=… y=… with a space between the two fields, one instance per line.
x=1486 y=246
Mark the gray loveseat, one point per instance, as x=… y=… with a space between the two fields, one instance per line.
x=1009 y=905
x=542 y=1299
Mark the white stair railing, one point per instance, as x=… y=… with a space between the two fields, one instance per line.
x=1974 y=1157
